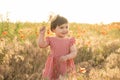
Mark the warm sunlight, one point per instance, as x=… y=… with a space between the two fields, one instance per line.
x=83 y=11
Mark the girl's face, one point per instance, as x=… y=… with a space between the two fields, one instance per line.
x=62 y=30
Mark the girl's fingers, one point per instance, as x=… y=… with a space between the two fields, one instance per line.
x=63 y=58
x=43 y=28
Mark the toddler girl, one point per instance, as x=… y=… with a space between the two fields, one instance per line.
x=63 y=49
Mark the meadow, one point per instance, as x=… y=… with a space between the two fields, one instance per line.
x=98 y=46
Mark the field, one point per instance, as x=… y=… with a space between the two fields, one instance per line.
x=98 y=46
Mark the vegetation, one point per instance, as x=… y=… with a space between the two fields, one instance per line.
x=98 y=47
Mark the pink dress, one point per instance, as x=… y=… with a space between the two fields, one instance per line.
x=59 y=47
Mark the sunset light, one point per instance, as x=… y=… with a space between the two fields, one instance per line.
x=82 y=42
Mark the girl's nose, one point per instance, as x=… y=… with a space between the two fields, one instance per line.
x=65 y=30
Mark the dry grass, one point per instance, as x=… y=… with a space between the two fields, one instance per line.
x=98 y=53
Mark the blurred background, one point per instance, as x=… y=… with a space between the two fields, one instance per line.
x=95 y=24
x=84 y=11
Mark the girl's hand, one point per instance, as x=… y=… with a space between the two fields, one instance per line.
x=42 y=30
x=63 y=58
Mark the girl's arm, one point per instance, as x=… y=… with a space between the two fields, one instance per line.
x=73 y=52
x=71 y=55
x=41 y=42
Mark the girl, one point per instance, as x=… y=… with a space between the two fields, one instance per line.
x=63 y=49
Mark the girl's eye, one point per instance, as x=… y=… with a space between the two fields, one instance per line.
x=61 y=27
x=66 y=26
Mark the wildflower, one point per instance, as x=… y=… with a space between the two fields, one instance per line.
x=83 y=31
x=4 y=33
x=22 y=36
x=78 y=35
x=82 y=70
x=88 y=43
x=36 y=33
x=103 y=32
x=48 y=32
x=21 y=31
x=1 y=39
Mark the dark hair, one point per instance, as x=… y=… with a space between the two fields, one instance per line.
x=59 y=20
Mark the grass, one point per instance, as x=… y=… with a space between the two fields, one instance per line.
x=97 y=44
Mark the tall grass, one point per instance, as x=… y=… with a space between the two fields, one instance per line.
x=98 y=51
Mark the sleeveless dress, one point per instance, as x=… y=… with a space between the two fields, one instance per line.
x=59 y=47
